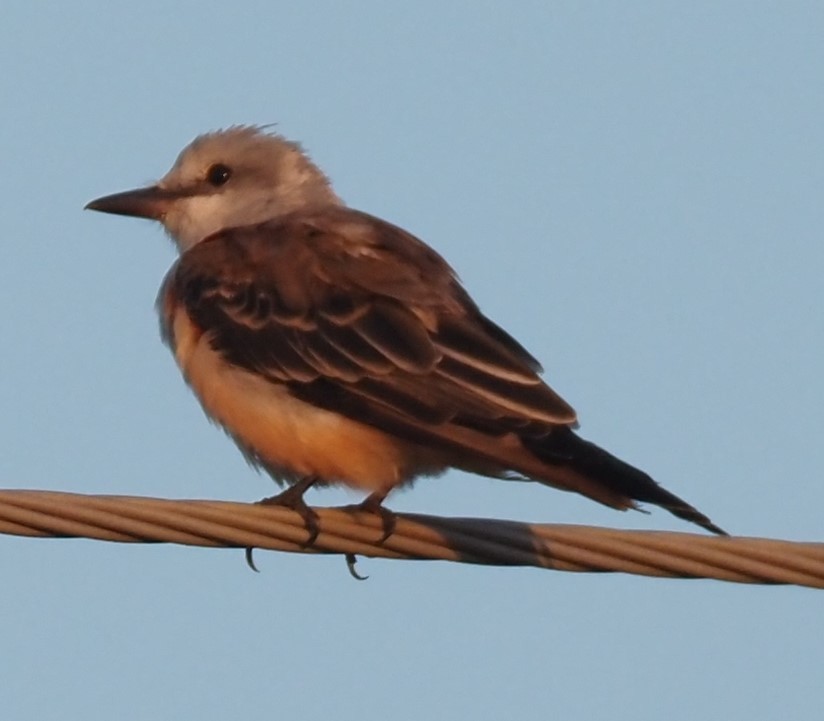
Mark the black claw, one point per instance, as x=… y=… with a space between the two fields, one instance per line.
x=250 y=561
x=351 y=560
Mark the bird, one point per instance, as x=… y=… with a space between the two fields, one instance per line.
x=336 y=348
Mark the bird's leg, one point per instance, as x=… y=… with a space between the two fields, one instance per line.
x=374 y=504
x=292 y=498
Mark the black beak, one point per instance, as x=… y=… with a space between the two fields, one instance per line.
x=151 y=202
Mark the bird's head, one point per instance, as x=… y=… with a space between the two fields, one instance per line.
x=238 y=176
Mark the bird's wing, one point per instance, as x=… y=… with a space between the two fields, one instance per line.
x=357 y=316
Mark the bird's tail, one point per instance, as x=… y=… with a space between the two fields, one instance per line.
x=566 y=452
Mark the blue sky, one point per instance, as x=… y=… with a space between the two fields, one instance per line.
x=634 y=190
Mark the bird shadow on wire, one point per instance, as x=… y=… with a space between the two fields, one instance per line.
x=481 y=541
x=489 y=541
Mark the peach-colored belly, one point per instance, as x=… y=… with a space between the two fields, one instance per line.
x=293 y=438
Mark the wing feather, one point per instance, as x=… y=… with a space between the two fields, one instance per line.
x=469 y=342
x=399 y=335
x=357 y=349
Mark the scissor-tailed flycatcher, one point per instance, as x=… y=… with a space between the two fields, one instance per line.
x=335 y=347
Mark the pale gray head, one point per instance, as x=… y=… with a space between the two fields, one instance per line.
x=238 y=176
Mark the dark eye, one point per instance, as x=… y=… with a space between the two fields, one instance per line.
x=218 y=174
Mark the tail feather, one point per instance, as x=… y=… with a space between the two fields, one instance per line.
x=564 y=448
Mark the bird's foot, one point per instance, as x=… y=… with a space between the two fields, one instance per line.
x=292 y=498
x=374 y=504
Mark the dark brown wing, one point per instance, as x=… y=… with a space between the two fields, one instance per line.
x=354 y=314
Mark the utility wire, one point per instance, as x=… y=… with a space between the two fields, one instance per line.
x=352 y=533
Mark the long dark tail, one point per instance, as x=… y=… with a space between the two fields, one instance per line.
x=566 y=449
